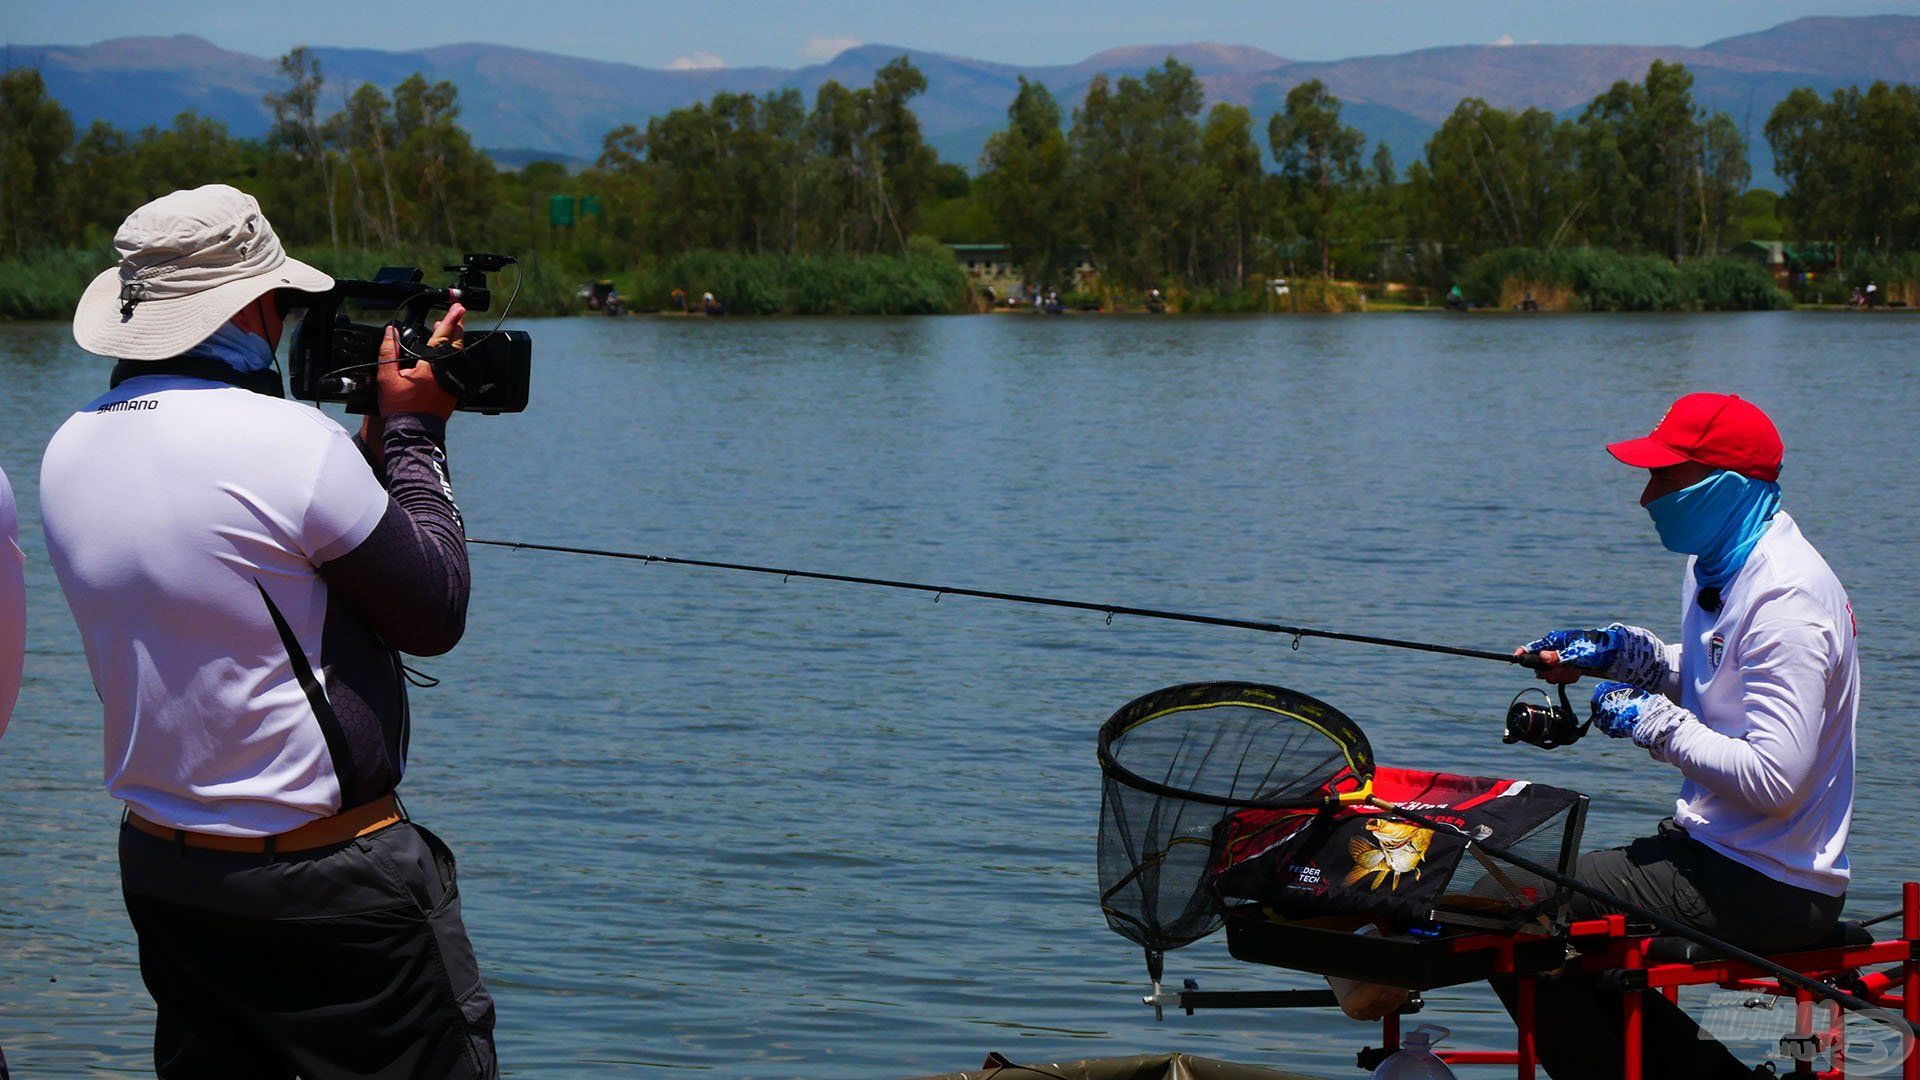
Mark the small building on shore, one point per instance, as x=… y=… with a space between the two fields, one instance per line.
x=988 y=265
x=1771 y=254
x=1791 y=262
x=992 y=266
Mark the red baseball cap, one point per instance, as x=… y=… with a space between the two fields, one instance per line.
x=1720 y=430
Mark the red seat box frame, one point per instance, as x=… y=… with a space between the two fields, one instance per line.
x=1629 y=960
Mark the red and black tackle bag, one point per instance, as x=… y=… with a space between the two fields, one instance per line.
x=1360 y=859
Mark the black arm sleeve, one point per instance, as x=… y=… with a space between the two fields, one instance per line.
x=408 y=580
x=367 y=452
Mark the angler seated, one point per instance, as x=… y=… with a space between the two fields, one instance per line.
x=1754 y=706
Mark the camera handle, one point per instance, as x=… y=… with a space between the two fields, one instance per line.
x=447 y=361
x=453 y=368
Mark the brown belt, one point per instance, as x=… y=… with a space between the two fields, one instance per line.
x=321 y=832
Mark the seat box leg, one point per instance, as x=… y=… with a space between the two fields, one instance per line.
x=1526 y=988
x=1632 y=1009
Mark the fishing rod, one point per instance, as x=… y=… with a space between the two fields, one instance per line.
x=1527 y=660
x=1665 y=924
x=1530 y=660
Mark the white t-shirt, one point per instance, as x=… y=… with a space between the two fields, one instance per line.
x=185 y=520
x=1774 y=679
x=13 y=603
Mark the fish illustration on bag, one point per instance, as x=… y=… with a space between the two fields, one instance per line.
x=1396 y=848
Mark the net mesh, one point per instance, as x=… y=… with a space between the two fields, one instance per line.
x=1175 y=763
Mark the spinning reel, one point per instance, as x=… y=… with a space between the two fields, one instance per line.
x=1543 y=725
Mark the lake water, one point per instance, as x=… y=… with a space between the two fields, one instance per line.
x=713 y=821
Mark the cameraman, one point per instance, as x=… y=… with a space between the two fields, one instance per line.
x=242 y=573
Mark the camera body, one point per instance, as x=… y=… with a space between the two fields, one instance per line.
x=334 y=358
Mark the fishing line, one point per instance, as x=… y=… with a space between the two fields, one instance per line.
x=1529 y=660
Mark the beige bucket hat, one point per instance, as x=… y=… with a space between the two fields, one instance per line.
x=188 y=262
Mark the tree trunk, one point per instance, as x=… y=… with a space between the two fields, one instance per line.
x=436 y=174
x=386 y=182
x=1239 y=252
x=1326 y=229
x=886 y=204
x=360 y=215
x=326 y=180
x=446 y=211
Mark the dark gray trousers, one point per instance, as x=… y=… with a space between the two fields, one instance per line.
x=342 y=961
x=1580 y=1026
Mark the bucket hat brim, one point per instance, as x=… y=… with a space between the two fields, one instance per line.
x=158 y=329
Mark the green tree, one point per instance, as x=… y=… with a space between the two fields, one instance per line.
x=365 y=130
x=1381 y=172
x=760 y=143
x=1318 y=157
x=685 y=151
x=1756 y=217
x=101 y=182
x=35 y=133
x=869 y=167
x=902 y=162
x=1495 y=178
x=833 y=176
x=786 y=131
x=195 y=150
x=1808 y=138
x=1233 y=201
x=297 y=130
x=624 y=185
x=450 y=180
x=1375 y=220
x=1658 y=173
x=1023 y=182
x=1722 y=180
x=1132 y=145
x=1851 y=164
x=773 y=151
x=1888 y=163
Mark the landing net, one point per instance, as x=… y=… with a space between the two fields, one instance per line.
x=1178 y=762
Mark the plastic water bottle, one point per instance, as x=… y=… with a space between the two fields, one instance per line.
x=1415 y=1060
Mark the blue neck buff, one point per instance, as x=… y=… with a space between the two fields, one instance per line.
x=1719 y=519
x=236 y=348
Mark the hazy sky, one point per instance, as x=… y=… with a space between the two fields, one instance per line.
x=763 y=32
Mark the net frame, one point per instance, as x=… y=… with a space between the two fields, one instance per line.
x=1330 y=722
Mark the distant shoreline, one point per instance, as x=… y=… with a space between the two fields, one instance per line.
x=1798 y=309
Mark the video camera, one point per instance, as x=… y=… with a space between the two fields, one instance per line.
x=335 y=358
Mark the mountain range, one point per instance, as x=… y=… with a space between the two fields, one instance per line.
x=524 y=105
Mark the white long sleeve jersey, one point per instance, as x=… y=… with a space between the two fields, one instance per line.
x=1773 y=678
